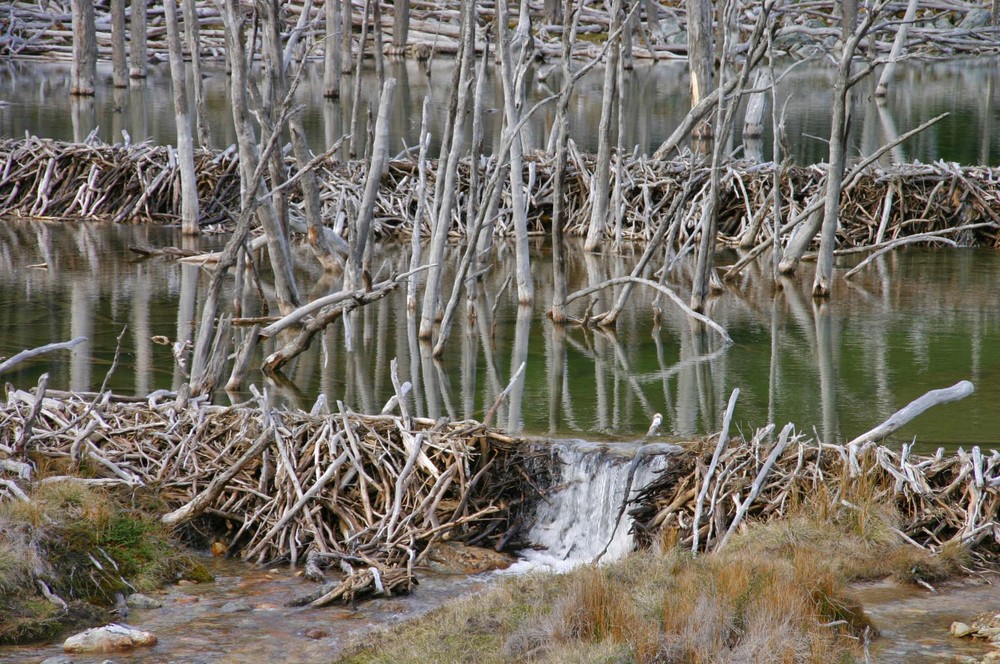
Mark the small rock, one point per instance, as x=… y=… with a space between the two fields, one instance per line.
x=960 y=629
x=115 y=637
x=236 y=606
x=58 y=659
x=188 y=599
x=991 y=657
x=456 y=558
x=988 y=632
x=187 y=582
x=140 y=601
x=316 y=633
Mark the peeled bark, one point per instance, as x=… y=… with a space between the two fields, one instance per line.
x=185 y=144
x=83 y=69
x=400 y=26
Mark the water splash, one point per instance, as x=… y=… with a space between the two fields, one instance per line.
x=577 y=521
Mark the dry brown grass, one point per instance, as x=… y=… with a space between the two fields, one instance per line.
x=776 y=593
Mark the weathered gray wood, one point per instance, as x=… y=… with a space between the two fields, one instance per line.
x=400 y=26
x=514 y=99
x=753 y=121
x=332 y=51
x=376 y=169
x=897 y=49
x=700 y=62
x=907 y=413
x=706 y=481
x=83 y=69
x=185 y=143
x=137 y=43
x=447 y=190
x=347 y=27
x=14 y=360
x=119 y=54
x=822 y=283
x=192 y=34
x=601 y=191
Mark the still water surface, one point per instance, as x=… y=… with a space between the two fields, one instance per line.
x=919 y=319
x=36 y=100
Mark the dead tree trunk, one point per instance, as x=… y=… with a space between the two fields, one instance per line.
x=446 y=186
x=193 y=35
x=559 y=284
x=332 y=52
x=602 y=170
x=897 y=49
x=822 y=283
x=400 y=26
x=83 y=69
x=376 y=169
x=277 y=240
x=137 y=44
x=347 y=27
x=119 y=54
x=185 y=144
x=700 y=62
x=514 y=98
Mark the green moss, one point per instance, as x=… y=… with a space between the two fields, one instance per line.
x=28 y=619
x=89 y=546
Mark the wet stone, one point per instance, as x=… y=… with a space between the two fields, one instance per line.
x=140 y=601
x=236 y=606
x=960 y=629
x=115 y=637
x=316 y=633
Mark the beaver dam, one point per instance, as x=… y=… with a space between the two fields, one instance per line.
x=46 y=179
x=367 y=497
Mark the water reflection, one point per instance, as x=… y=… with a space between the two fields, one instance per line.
x=913 y=321
x=657 y=97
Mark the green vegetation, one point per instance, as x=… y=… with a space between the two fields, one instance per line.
x=776 y=593
x=84 y=545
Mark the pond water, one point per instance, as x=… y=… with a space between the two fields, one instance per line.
x=916 y=320
x=34 y=98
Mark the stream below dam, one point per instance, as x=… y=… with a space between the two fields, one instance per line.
x=241 y=617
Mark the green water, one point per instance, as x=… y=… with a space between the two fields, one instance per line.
x=919 y=319
x=34 y=98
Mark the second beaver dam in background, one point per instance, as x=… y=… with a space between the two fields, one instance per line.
x=141 y=182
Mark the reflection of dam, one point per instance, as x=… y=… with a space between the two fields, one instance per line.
x=914 y=320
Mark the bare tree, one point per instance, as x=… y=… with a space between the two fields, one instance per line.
x=185 y=144
x=83 y=69
x=838 y=136
x=400 y=26
x=193 y=36
x=897 y=49
x=331 y=49
x=700 y=60
x=137 y=44
x=119 y=55
x=602 y=170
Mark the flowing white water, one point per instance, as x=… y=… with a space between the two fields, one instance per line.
x=577 y=520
